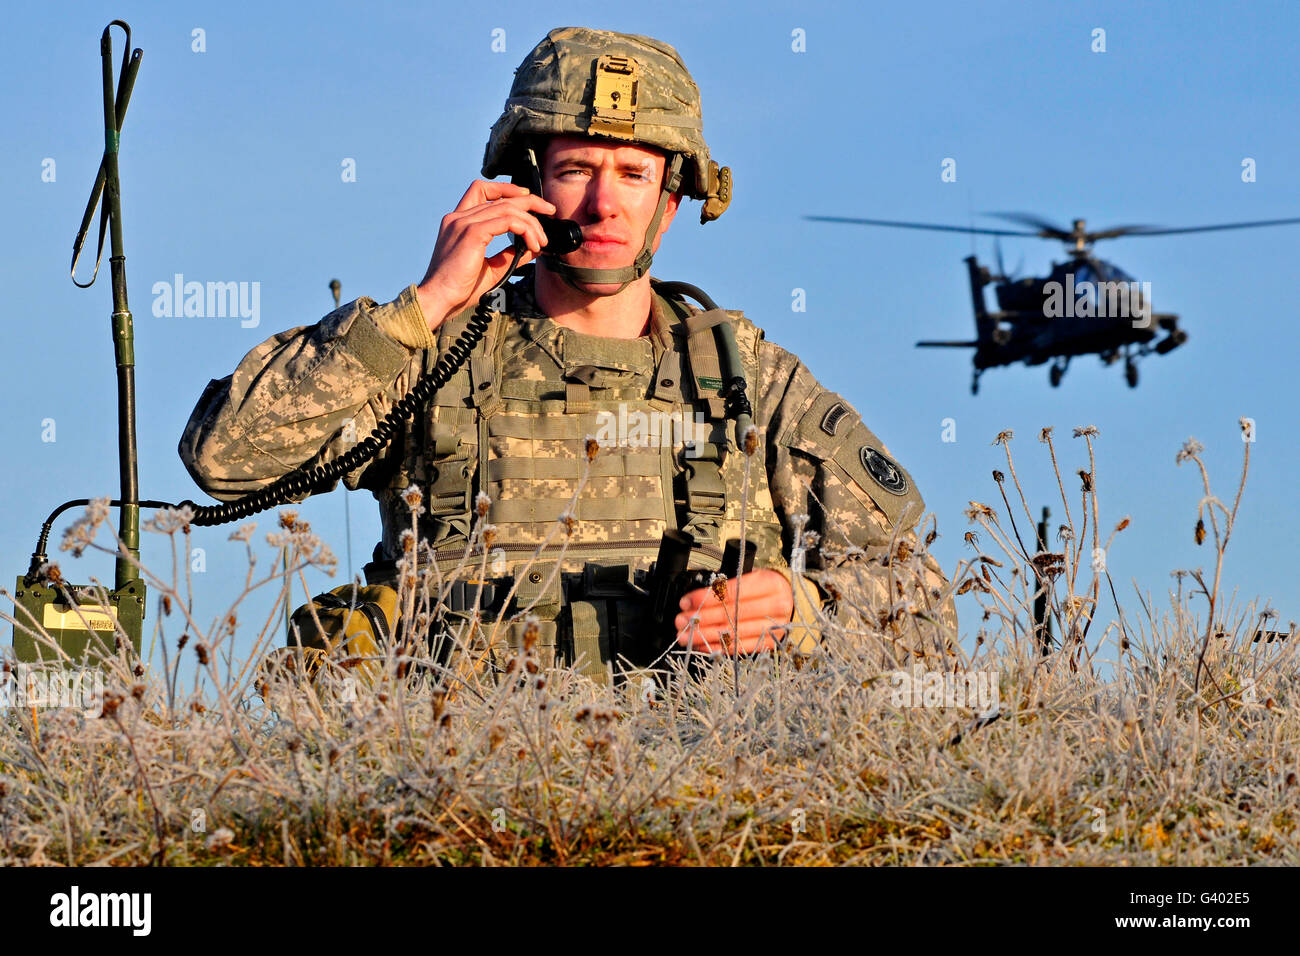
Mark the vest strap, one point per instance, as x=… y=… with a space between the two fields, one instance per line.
x=522 y=510
x=538 y=427
x=544 y=469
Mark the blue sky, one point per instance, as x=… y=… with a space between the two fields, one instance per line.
x=231 y=164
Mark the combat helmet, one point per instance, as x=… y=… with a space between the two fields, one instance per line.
x=618 y=87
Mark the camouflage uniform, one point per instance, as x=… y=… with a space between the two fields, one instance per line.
x=514 y=421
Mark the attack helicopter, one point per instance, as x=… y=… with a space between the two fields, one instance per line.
x=1085 y=306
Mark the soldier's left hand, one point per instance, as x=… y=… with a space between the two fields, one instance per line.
x=766 y=603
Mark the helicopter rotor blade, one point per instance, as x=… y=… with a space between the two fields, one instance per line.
x=1047 y=230
x=1160 y=231
x=896 y=224
x=1116 y=231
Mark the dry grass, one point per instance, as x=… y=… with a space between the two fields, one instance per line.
x=1166 y=736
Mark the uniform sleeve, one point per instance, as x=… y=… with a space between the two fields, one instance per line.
x=308 y=394
x=825 y=464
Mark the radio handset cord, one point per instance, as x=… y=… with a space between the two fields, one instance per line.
x=560 y=235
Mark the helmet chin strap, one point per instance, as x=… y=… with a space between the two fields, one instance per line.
x=624 y=275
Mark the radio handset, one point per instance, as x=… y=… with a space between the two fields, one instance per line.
x=562 y=235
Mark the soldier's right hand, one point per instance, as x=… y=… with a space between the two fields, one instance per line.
x=460 y=270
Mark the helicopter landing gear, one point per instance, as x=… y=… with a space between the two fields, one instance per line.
x=1130 y=372
x=1057 y=372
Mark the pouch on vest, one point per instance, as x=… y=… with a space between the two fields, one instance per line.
x=355 y=623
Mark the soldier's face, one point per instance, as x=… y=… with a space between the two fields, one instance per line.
x=611 y=191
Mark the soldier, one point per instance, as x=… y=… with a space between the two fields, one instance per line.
x=585 y=345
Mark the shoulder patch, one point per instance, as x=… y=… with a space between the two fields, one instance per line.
x=884 y=470
x=834 y=415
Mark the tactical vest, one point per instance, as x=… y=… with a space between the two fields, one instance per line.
x=514 y=423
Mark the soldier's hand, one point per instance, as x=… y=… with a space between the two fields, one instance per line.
x=460 y=270
x=766 y=603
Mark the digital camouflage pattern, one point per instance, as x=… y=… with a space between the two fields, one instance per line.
x=513 y=422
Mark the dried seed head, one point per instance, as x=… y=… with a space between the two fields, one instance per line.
x=180 y=645
x=903 y=551
x=998 y=476
x=1004 y=437
x=111 y=703
x=1191 y=448
x=1045 y=435
x=413 y=496
x=718 y=585
x=489 y=536
x=749 y=443
x=1122 y=525
x=201 y=652
x=288 y=520
x=530 y=665
x=583 y=714
x=1086 y=479
x=408 y=541
x=137 y=691
x=243 y=532
x=1086 y=430
x=930 y=536
x=532 y=631
x=482 y=504
x=198 y=707
x=593 y=447
x=1199 y=533
x=972 y=539
x=569 y=522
